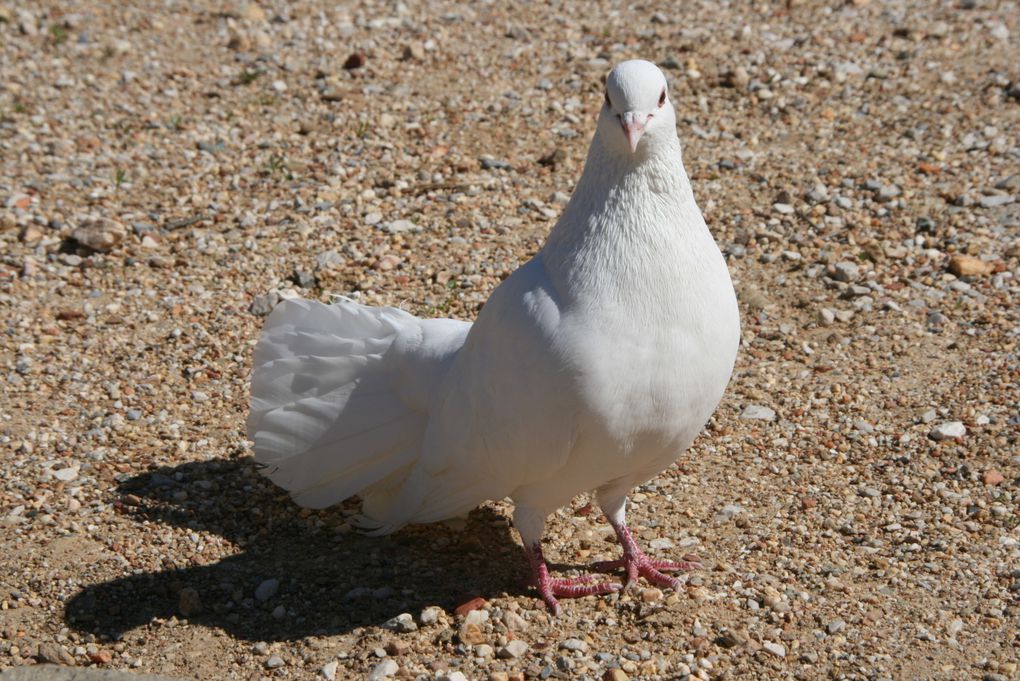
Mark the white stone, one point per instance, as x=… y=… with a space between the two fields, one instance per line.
x=430 y=615
x=328 y=670
x=846 y=271
x=402 y=623
x=400 y=226
x=513 y=649
x=954 y=628
x=66 y=474
x=757 y=412
x=729 y=511
x=384 y=670
x=477 y=617
x=949 y=430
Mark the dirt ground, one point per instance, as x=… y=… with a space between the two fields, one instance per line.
x=169 y=170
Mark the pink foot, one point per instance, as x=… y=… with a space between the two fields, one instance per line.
x=575 y=587
x=638 y=564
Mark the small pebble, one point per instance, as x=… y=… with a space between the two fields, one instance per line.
x=846 y=271
x=992 y=477
x=402 y=623
x=430 y=615
x=384 y=670
x=189 y=602
x=513 y=649
x=996 y=200
x=757 y=412
x=949 y=430
x=267 y=589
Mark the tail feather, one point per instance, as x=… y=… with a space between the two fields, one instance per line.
x=334 y=456
x=326 y=419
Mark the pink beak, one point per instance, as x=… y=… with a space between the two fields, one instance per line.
x=633 y=126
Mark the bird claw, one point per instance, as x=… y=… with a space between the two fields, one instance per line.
x=660 y=565
x=652 y=570
x=637 y=564
x=574 y=587
x=550 y=588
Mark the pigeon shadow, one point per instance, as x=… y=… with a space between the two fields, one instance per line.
x=329 y=580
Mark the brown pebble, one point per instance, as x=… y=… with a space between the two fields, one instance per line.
x=615 y=675
x=100 y=235
x=189 y=602
x=651 y=594
x=101 y=657
x=397 y=647
x=473 y=604
x=471 y=634
x=32 y=234
x=992 y=477
x=355 y=61
x=969 y=266
x=413 y=51
x=731 y=639
x=387 y=262
x=553 y=158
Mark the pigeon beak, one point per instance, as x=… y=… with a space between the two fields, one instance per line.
x=633 y=124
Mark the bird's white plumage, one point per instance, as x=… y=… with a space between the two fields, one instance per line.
x=592 y=367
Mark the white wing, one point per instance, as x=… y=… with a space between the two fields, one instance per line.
x=505 y=413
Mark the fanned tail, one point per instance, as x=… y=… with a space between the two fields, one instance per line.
x=326 y=417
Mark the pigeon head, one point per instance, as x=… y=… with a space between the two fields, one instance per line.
x=637 y=111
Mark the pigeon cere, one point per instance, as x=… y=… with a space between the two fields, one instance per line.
x=509 y=341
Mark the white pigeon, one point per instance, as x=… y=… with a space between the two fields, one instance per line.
x=592 y=367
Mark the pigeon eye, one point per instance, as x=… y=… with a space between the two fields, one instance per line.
x=662 y=98
x=608 y=103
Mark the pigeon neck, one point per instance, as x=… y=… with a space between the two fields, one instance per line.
x=630 y=222
x=637 y=194
x=654 y=168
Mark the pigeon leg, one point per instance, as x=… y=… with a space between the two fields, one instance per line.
x=634 y=560
x=575 y=587
x=638 y=564
x=531 y=524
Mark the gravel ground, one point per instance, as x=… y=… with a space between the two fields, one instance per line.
x=169 y=170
